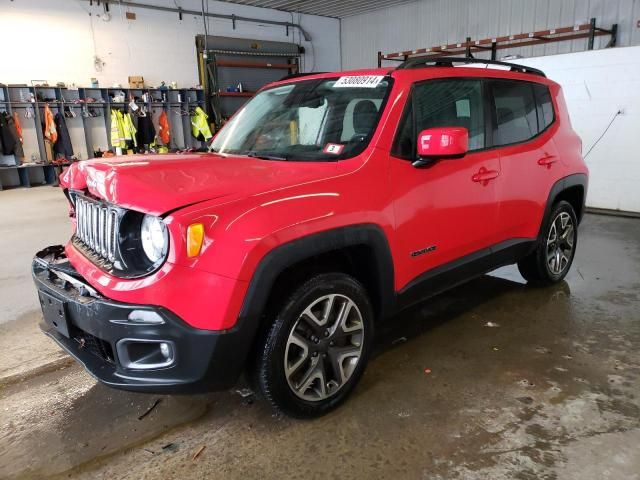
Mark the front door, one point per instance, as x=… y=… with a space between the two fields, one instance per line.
x=447 y=212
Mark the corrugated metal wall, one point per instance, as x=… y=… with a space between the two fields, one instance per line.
x=427 y=23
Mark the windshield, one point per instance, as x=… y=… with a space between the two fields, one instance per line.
x=309 y=120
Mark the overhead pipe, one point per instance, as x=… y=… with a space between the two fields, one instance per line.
x=233 y=18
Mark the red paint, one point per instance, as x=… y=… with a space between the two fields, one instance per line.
x=443 y=142
x=250 y=206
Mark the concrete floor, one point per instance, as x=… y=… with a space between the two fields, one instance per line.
x=550 y=390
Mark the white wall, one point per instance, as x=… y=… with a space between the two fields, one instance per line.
x=52 y=40
x=596 y=85
x=426 y=23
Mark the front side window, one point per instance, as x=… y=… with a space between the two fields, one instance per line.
x=309 y=120
x=442 y=103
x=515 y=112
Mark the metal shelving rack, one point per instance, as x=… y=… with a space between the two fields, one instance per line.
x=222 y=61
x=232 y=61
x=22 y=97
x=588 y=31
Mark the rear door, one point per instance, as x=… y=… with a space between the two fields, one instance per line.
x=523 y=132
x=449 y=209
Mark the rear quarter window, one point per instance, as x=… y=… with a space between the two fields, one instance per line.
x=515 y=112
x=546 y=114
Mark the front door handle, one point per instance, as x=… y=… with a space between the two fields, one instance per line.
x=547 y=160
x=484 y=176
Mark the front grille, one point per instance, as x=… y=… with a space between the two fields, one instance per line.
x=97 y=227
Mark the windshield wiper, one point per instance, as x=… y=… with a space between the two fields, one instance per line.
x=253 y=154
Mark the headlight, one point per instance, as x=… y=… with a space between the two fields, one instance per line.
x=155 y=240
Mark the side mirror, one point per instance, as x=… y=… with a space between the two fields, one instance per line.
x=441 y=142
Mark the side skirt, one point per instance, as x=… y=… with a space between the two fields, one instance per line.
x=462 y=270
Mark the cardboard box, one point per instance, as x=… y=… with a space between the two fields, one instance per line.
x=136 y=82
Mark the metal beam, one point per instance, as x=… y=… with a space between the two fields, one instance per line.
x=592 y=33
x=233 y=18
x=328 y=8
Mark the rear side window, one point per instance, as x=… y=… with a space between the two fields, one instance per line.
x=515 y=112
x=545 y=106
x=442 y=103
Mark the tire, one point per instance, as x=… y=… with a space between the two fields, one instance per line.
x=309 y=362
x=555 y=248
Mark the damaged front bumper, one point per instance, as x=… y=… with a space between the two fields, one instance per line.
x=128 y=346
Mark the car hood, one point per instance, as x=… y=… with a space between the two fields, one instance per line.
x=160 y=183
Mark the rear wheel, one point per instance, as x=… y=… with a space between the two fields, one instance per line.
x=550 y=261
x=317 y=346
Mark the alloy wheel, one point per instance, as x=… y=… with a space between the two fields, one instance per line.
x=560 y=243
x=324 y=347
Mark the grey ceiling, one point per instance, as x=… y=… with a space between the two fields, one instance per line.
x=327 y=8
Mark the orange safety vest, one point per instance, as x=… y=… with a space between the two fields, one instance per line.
x=50 y=132
x=16 y=121
x=165 y=131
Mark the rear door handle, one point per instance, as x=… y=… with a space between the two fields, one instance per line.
x=484 y=176
x=547 y=160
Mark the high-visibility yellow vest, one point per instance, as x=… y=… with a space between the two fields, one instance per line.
x=199 y=124
x=117 y=129
x=122 y=129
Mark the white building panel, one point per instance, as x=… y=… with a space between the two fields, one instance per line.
x=427 y=23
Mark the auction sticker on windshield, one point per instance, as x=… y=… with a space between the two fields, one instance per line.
x=333 y=148
x=359 y=81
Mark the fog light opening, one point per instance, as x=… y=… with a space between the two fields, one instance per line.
x=165 y=350
x=145 y=354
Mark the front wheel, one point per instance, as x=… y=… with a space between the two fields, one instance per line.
x=317 y=347
x=550 y=261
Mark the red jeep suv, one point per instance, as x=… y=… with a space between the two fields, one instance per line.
x=328 y=203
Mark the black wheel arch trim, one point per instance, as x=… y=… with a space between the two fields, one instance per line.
x=296 y=251
x=304 y=248
x=574 y=180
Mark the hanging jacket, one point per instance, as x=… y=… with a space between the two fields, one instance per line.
x=18 y=150
x=50 y=132
x=146 y=131
x=129 y=129
x=63 y=147
x=10 y=141
x=117 y=129
x=164 y=129
x=199 y=125
x=122 y=129
x=16 y=121
x=6 y=139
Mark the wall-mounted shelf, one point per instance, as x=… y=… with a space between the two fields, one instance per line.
x=50 y=173
x=469 y=46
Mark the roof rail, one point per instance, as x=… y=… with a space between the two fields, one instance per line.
x=430 y=61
